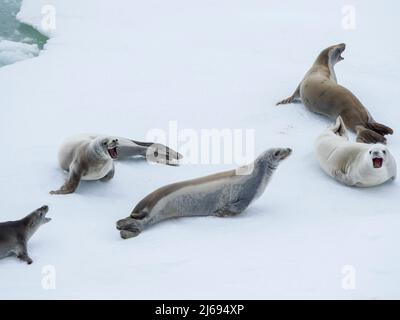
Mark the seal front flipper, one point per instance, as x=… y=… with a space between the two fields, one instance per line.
x=293 y=98
x=233 y=208
x=23 y=254
x=71 y=184
x=343 y=177
x=109 y=175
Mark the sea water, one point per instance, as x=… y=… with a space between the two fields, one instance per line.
x=18 y=41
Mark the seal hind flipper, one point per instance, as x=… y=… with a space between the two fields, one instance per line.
x=129 y=227
x=293 y=98
x=155 y=152
x=139 y=215
x=380 y=128
x=368 y=136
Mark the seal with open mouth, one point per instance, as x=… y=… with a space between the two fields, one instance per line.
x=353 y=163
x=320 y=93
x=91 y=157
x=14 y=235
x=222 y=194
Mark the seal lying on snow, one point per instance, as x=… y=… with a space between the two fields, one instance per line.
x=353 y=163
x=90 y=157
x=222 y=194
x=14 y=235
x=320 y=93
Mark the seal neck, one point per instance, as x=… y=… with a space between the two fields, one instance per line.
x=325 y=60
x=98 y=150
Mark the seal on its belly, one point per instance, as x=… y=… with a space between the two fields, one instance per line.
x=320 y=93
x=222 y=194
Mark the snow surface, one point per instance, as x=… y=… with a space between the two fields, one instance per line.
x=124 y=67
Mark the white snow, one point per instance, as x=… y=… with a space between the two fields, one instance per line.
x=124 y=67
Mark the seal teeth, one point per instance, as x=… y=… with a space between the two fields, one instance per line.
x=113 y=152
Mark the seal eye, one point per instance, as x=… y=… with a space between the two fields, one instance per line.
x=276 y=153
x=384 y=152
x=370 y=152
x=104 y=143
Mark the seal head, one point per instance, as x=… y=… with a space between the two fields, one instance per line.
x=106 y=147
x=272 y=157
x=36 y=219
x=377 y=156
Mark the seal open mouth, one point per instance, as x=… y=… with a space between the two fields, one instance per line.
x=113 y=152
x=377 y=162
x=286 y=154
x=341 y=48
x=43 y=211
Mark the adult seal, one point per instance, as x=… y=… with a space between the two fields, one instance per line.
x=320 y=93
x=91 y=157
x=352 y=163
x=222 y=194
x=14 y=235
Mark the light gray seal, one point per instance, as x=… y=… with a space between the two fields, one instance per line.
x=91 y=157
x=14 y=235
x=222 y=194
x=320 y=93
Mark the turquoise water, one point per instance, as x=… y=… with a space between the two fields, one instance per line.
x=11 y=29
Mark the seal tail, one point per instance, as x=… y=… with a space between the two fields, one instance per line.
x=365 y=135
x=379 y=128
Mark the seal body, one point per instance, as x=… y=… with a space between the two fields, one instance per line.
x=14 y=235
x=91 y=157
x=90 y=153
x=320 y=93
x=222 y=194
x=353 y=163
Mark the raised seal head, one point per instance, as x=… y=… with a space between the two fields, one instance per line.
x=106 y=147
